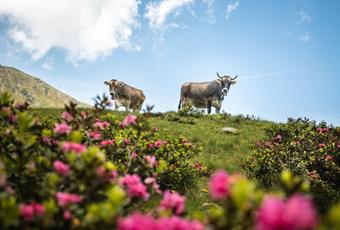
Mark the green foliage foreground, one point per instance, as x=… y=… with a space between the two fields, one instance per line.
x=90 y=170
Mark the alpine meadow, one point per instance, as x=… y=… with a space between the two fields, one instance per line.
x=169 y=114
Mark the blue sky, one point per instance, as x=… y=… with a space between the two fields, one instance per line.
x=286 y=53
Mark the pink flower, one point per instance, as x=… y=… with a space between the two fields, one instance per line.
x=158 y=144
x=67 y=215
x=173 y=201
x=322 y=130
x=110 y=175
x=278 y=138
x=150 y=146
x=101 y=124
x=151 y=160
x=321 y=145
x=133 y=155
x=30 y=211
x=127 y=141
x=67 y=116
x=64 y=198
x=296 y=214
x=137 y=222
x=329 y=158
x=219 y=185
x=94 y=135
x=12 y=118
x=100 y=171
x=39 y=209
x=46 y=140
x=73 y=147
x=177 y=223
x=27 y=211
x=198 y=166
x=153 y=182
x=129 y=120
x=135 y=187
x=84 y=114
x=105 y=143
x=61 y=168
x=62 y=128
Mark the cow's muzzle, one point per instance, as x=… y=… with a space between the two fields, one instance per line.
x=112 y=95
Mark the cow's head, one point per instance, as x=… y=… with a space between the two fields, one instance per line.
x=112 y=87
x=226 y=81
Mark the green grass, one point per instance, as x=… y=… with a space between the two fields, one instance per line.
x=219 y=150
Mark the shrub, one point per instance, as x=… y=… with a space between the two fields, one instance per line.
x=84 y=168
x=307 y=149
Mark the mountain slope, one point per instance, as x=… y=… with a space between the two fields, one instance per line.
x=36 y=92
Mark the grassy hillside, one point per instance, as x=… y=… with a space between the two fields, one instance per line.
x=219 y=149
x=36 y=92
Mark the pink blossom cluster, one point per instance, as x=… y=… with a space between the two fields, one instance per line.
x=94 y=135
x=64 y=198
x=30 y=211
x=322 y=130
x=105 y=174
x=73 y=147
x=140 y=222
x=67 y=116
x=105 y=143
x=322 y=145
x=101 y=124
x=219 y=185
x=159 y=143
x=153 y=182
x=297 y=213
x=151 y=160
x=173 y=201
x=62 y=168
x=278 y=138
x=62 y=128
x=129 y=120
x=135 y=187
x=198 y=166
x=329 y=158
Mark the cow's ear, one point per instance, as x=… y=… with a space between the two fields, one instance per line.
x=106 y=83
x=232 y=82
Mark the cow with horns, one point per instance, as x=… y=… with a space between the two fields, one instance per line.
x=206 y=94
x=125 y=95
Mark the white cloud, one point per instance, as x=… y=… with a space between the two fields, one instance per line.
x=48 y=63
x=303 y=17
x=85 y=29
x=231 y=7
x=210 y=10
x=157 y=13
x=305 y=38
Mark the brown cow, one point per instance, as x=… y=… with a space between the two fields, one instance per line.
x=125 y=95
x=206 y=94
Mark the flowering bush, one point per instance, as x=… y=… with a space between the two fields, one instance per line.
x=307 y=149
x=89 y=170
x=83 y=169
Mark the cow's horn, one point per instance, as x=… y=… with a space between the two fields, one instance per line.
x=235 y=77
x=218 y=75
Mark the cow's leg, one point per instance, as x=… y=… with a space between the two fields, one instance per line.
x=116 y=106
x=217 y=109
x=127 y=107
x=209 y=103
